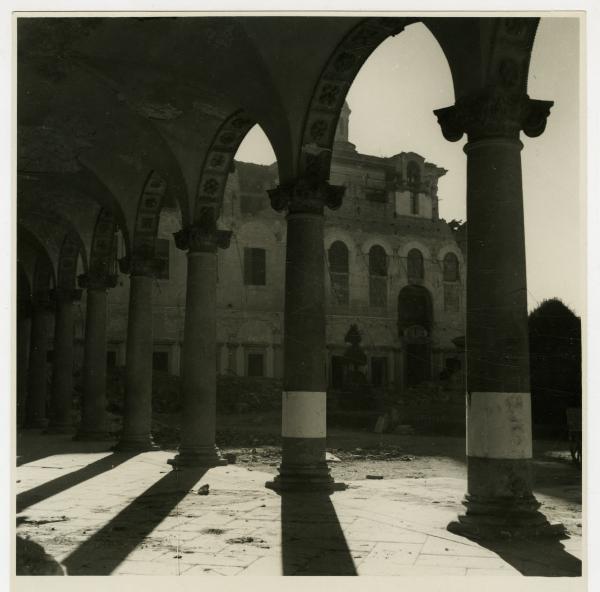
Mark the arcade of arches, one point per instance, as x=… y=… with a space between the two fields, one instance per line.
x=104 y=143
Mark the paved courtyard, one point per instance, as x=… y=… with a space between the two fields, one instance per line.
x=83 y=510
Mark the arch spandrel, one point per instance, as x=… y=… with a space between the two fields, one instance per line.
x=49 y=235
x=75 y=213
x=70 y=251
x=102 y=265
x=217 y=164
x=33 y=254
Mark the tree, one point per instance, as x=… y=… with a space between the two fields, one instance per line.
x=555 y=361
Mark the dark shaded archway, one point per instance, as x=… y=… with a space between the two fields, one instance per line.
x=415 y=321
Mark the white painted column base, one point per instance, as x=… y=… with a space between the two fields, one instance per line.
x=499 y=425
x=303 y=414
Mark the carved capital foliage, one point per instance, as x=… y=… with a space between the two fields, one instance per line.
x=493 y=114
x=198 y=238
x=97 y=280
x=306 y=197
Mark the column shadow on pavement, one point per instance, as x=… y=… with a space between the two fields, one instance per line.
x=104 y=551
x=35 y=445
x=312 y=539
x=543 y=557
x=64 y=482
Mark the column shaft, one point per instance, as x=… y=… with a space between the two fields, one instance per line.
x=23 y=346
x=304 y=397
x=93 y=405
x=37 y=386
x=198 y=429
x=137 y=417
x=499 y=500
x=62 y=376
x=499 y=441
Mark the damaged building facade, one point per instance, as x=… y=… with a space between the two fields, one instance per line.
x=393 y=268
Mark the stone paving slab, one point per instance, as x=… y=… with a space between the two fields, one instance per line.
x=135 y=516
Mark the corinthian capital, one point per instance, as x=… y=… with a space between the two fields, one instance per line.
x=202 y=238
x=493 y=114
x=306 y=197
x=96 y=280
x=65 y=294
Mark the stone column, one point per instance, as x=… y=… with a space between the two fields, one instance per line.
x=35 y=407
x=199 y=368
x=23 y=345
x=137 y=416
x=303 y=431
x=61 y=400
x=499 y=443
x=94 y=419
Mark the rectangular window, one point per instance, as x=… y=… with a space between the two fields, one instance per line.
x=255 y=267
x=160 y=361
x=451 y=297
x=378 y=371
x=255 y=362
x=162 y=256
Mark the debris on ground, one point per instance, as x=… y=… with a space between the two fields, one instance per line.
x=331 y=457
x=212 y=531
x=258 y=542
x=203 y=490
x=25 y=520
x=374 y=476
x=230 y=457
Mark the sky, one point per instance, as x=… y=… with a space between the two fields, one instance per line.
x=392 y=101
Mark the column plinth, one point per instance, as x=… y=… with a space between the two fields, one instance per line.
x=94 y=418
x=499 y=500
x=198 y=371
x=304 y=429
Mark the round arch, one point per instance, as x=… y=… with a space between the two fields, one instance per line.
x=377 y=241
x=337 y=234
x=450 y=248
x=405 y=249
x=331 y=89
x=217 y=165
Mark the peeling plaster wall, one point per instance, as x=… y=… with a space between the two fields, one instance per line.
x=251 y=317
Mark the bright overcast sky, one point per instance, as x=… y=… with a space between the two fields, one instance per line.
x=392 y=100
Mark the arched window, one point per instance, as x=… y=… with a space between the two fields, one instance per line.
x=377 y=276
x=451 y=286
x=451 y=272
x=338 y=272
x=414 y=264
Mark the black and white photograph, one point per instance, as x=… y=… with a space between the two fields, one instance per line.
x=299 y=294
